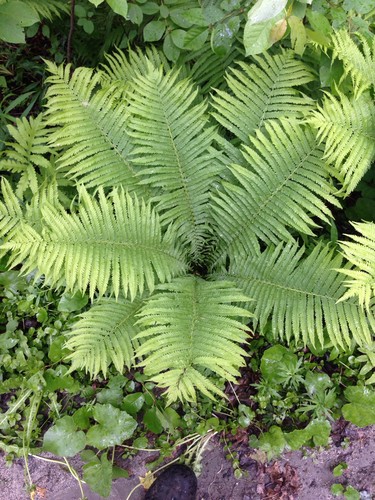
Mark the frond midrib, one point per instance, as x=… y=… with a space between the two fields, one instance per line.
x=180 y=169
x=238 y=234
x=275 y=284
x=121 y=244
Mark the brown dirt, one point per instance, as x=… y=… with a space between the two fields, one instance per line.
x=302 y=475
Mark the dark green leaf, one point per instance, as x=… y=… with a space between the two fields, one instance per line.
x=132 y=403
x=152 y=422
x=223 y=34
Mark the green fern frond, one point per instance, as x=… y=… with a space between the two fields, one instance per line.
x=11 y=213
x=208 y=69
x=192 y=329
x=14 y=212
x=300 y=296
x=358 y=64
x=113 y=243
x=91 y=127
x=347 y=126
x=360 y=252
x=284 y=187
x=173 y=145
x=121 y=67
x=27 y=152
x=260 y=92
x=47 y=9
x=104 y=335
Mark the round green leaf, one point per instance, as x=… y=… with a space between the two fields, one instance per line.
x=361 y=409
x=135 y=14
x=178 y=38
x=14 y=16
x=153 y=31
x=72 y=302
x=114 y=427
x=63 y=439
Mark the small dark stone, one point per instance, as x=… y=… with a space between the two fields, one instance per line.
x=177 y=482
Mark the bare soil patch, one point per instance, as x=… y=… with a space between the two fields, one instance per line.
x=300 y=475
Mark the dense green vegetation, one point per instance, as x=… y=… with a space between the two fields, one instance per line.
x=187 y=227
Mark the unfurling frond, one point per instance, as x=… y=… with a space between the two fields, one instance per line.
x=112 y=244
x=27 y=152
x=191 y=329
x=358 y=64
x=347 y=126
x=104 y=335
x=300 y=296
x=91 y=126
x=360 y=252
x=173 y=144
x=284 y=187
x=260 y=92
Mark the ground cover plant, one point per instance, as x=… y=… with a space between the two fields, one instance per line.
x=192 y=214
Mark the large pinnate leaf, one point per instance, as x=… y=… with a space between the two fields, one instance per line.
x=113 y=243
x=190 y=326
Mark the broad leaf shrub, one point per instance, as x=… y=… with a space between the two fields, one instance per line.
x=182 y=224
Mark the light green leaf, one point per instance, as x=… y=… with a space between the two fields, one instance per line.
x=258 y=37
x=72 y=302
x=297 y=34
x=277 y=364
x=153 y=31
x=114 y=426
x=135 y=14
x=14 y=16
x=119 y=7
x=98 y=475
x=195 y=38
x=264 y=10
x=96 y=2
x=361 y=409
x=63 y=439
x=178 y=38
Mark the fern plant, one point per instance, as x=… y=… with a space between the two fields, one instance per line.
x=183 y=217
